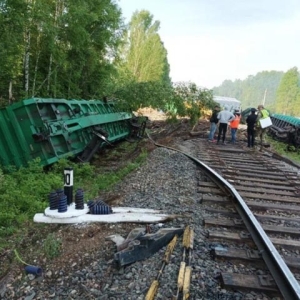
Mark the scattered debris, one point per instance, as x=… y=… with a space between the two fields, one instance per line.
x=29 y=268
x=154 y=286
x=144 y=245
x=122 y=243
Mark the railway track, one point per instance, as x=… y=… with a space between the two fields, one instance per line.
x=223 y=258
x=252 y=212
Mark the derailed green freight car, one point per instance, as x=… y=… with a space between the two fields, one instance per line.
x=57 y=128
x=286 y=129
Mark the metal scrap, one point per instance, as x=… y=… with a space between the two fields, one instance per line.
x=140 y=245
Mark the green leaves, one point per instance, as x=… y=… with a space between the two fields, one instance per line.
x=144 y=57
x=193 y=99
x=144 y=94
x=253 y=90
x=52 y=246
x=288 y=94
x=62 y=49
x=25 y=192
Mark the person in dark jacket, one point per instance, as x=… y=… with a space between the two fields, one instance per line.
x=251 y=120
x=213 y=123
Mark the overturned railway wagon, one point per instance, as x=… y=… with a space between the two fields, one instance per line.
x=286 y=129
x=51 y=129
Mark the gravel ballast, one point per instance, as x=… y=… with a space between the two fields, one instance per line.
x=167 y=181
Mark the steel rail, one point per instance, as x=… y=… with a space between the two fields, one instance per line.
x=285 y=280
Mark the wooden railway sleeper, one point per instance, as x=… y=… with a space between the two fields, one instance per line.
x=266 y=280
x=284 y=279
x=253 y=254
x=238 y=221
x=245 y=235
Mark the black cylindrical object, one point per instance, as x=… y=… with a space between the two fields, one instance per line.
x=53 y=200
x=59 y=193
x=62 y=204
x=68 y=184
x=101 y=210
x=79 y=199
x=99 y=207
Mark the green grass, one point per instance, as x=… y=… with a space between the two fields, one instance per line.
x=24 y=192
x=52 y=246
x=281 y=148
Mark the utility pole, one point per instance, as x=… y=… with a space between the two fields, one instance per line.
x=265 y=97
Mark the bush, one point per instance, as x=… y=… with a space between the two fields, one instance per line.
x=52 y=246
x=24 y=192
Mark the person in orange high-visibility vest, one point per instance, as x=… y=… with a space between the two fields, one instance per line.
x=234 y=125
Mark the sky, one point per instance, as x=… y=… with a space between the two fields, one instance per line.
x=209 y=41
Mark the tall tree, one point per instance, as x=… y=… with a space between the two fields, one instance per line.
x=144 y=57
x=58 y=48
x=194 y=100
x=12 y=23
x=288 y=93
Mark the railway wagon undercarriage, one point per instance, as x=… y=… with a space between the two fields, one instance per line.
x=51 y=129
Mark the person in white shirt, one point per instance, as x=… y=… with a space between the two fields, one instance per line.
x=224 y=117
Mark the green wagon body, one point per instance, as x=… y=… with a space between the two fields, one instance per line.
x=55 y=128
x=287 y=119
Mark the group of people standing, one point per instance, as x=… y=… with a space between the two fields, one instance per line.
x=225 y=117
x=254 y=127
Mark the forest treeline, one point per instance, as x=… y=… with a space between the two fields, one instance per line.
x=278 y=91
x=84 y=50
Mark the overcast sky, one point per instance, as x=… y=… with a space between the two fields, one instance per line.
x=209 y=41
